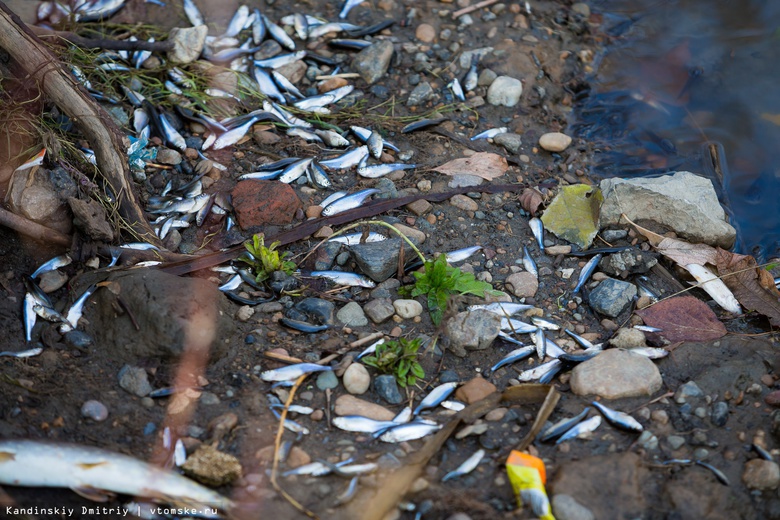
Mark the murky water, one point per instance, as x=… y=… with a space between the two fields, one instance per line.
x=679 y=75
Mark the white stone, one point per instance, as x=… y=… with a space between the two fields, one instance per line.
x=505 y=91
x=187 y=43
x=614 y=374
x=244 y=312
x=554 y=141
x=356 y=379
x=407 y=308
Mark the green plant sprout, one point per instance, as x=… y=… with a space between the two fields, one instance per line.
x=398 y=357
x=266 y=258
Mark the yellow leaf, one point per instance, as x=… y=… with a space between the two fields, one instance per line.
x=573 y=214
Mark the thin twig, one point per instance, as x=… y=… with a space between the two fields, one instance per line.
x=472 y=8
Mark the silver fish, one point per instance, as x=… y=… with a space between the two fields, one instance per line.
x=139 y=246
x=509 y=339
x=334 y=27
x=619 y=419
x=584 y=343
x=48 y=313
x=649 y=352
x=347 y=7
x=263 y=176
x=563 y=426
x=582 y=428
x=303 y=133
x=436 y=396
x=278 y=34
x=348 y=202
x=529 y=263
x=301 y=25
x=375 y=144
x=347 y=160
x=281 y=60
x=715 y=471
x=316 y=469
x=471 y=77
x=502 y=308
x=29 y=316
x=537 y=228
x=348 y=493
x=23 y=353
x=647 y=328
x=364 y=133
x=51 y=265
x=332 y=138
x=408 y=432
x=404 y=416
x=172 y=137
x=318 y=177
x=587 y=270
x=193 y=13
x=313 y=102
x=453 y=405
x=355 y=238
x=295 y=170
x=516 y=355
x=238 y=21
x=233 y=283
x=291 y=425
x=553 y=350
x=234 y=135
x=461 y=254
x=353 y=469
x=291 y=372
x=541 y=344
x=540 y=372
x=544 y=324
x=258 y=28
x=489 y=134
x=380 y=170
x=267 y=85
x=457 y=91
x=466 y=467
x=344 y=278
x=285 y=84
x=333 y=197
x=517 y=326
x=74 y=312
x=370 y=349
x=303 y=410
x=142 y=56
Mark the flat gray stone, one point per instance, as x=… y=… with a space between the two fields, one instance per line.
x=512 y=142
x=683 y=202
x=372 y=62
x=611 y=297
x=187 y=43
x=566 y=507
x=421 y=93
x=352 y=315
x=379 y=260
x=90 y=218
x=379 y=310
x=134 y=380
x=614 y=374
x=472 y=330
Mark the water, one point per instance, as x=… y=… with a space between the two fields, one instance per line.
x=679 y=75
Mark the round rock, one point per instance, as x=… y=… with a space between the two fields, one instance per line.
x=94 y=410
x=505 y=91
x=425 y=33
x=614 y=374
x=554 y=141
x=407 y=308
x=522 y=284
x=356 y=379
x=761 y=474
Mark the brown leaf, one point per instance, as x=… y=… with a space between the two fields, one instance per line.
x=684 y=253
x=746 y=285
x=531 y=199
x=652 y=237
x=683 y=318
x=482 y=164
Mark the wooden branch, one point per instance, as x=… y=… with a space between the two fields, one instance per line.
x=56 y=37
x=33 y=229
x=62 y=88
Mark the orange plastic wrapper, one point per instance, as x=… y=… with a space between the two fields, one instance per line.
x=528 y=477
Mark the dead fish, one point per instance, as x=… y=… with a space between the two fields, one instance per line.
x=456 y=89
x=582 y=428
x=303 y=133
x=22 y=353
x=281 y=60
x=348 y=493
x=453 y=405
x=332 y=138
x=517 y=326
x=540 y=341
x=170 y=134
x=715 y=287
x=529 y=263
x=333 y=197
x=311 y=103
x=296 y=408
x=301 y=26
x=294 y=171
x=647 y=328
x=544 y=324
x=436 y=396
x=348 y=202
x=237 y=23
x=345 y=278
x=370 y=349
x=461 y=254
x=619 y=419
x=356 y=238
x=48 y=313
x=563 y=426
x=347 y=160
x=466 y=467
x=471 y=77
x=193 y=13
x=513 y=357
x=47 y=464
x=502 y=308
x=267 y=85
x=424 y=123
x=302 y=326
x=317 y=176
x=332 y=27
x=291 y=372
x=97 y=11
x=537 y=228
x=278 y=34
x=649 y=352
x=380 y=170
x=364 y=134
x=29 y=316
x=316 y=469
x=715 y=471
x=404 y=416
x=347 y=7
x=540 y=372
x=74 y=312
x=351 y=470
x=51 y=265
x=291 y=425
x=234 y=135
x=490 y=134
x=258 y=27
x=584 y=343
x=357 y=423
x=408 y=432
x=587 y=270
x=375 y=144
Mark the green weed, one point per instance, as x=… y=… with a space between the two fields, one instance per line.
x=398 y=358
x=266 y=258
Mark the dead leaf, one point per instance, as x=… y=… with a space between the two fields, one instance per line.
x=531 y=199
x=684 y=253
x=683 y=318
x=573 y=214
x=482 y=164
x=746 y=284
x=652 y=237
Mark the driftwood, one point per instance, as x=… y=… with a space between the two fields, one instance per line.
x=60 y=87
x=33 y=229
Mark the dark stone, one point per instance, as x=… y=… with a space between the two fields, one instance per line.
x=78 y=339
x=386 y=387
x=629 y=261
x=281 y=281
x=448 y=376
x=720 y=413
x=321 y=311
x=611 y=297
x=326 y=256
x=379 y=260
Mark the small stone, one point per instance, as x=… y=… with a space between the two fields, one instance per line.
x=52 y=280
x=349 y=405
x=407 y=308
x=772 y=398
x=244 y=312
x=554 y=141
x=472 y=331
x=475 y=390
x=78 y=339
x=761 y=474
x=628 y=338
x=94 y=410
x=611 y=297
x=168 y=156
x=675 y=442
x=464 y=203
x=327 y=380
x=660 y=416
x=496 y=414
x=425 y=33
x=421 y=93
x=134 y=380
x=356 y=379
x=415 y=235
x=372 y=62
x=331 y=84
x=686 y=391
x=522 y=284
x=212 y=467
x=387 y=388
x=317 y=415
x=557 y=250
x=648 y=441
x=512 y=142
x=419 y=207
x=352 y=315
x=379 y=310
x=566 y=507
x=505 y=91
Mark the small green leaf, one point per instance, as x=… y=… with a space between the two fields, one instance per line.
x=417 y=370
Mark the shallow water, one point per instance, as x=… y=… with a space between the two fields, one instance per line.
x=678 y=75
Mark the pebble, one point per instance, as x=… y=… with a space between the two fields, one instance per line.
x=464 y=203
x=496 y=414
x=387 y=388
x=505 y=91
x=134 y=380
x=52 y=280
x=327 y=380
x=648 y=440
x=421 y=93
x=208 y=399
x=628 y=338
x=686 y=391
x=720 y=413
x=349 y=405
x=212 y=467
x=476 y=389
x=407 y=308
x=660 y=416
x=78 y=339
x=168 y=156
x=522 y=284
x=486 y=78
x=611 y=297
x=772 y=398
x=761 y=474
x=94 y=410
x=372 y=62
x=675 y=442
x=512 y=142
x=554 y=141
x=244 y=312
x=379 y=310
x=473 y=330
x=425 y=33
x=356 y=379
x=614 y=374
x=352 y=315
x=566 y=507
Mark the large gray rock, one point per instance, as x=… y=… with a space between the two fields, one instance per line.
x=379 y=260
x=614 y=374
x=472 y=330
x=173 y=314
x=683 y=201
x=372 y=62
x=187 y=43
x=32 y=195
